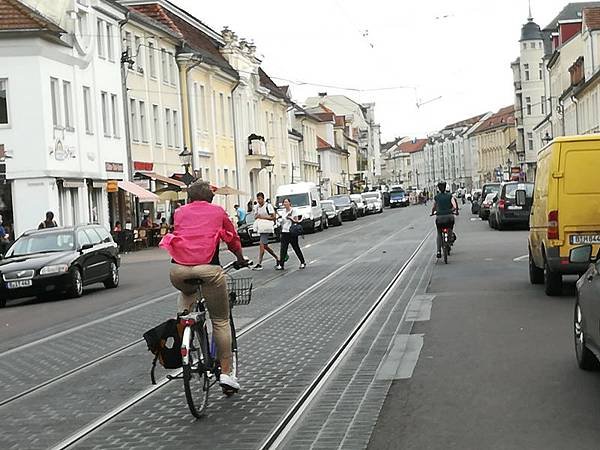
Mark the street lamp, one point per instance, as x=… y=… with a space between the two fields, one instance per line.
x=547 y=138
x=270 y=168
x=186 y=161
x=417 y=174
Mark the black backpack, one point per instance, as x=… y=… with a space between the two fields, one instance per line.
x=164 y=341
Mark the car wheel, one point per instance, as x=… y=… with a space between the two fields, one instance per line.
x=552 y=281
x=499 y=225
x=326 y=223
x=586 y=360
x=76 y=288
x=536 y=275
x=113 y=278
x=2 y=302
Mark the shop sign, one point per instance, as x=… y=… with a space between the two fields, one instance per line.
x=144 y=183
x=113 y=166
x=144 y=166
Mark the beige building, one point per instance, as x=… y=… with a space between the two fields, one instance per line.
x=304 y=126
x=153 y=110
x=495 y=141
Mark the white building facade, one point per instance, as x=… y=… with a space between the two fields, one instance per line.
x=64 y=134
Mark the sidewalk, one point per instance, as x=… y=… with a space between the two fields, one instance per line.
x=145 y=255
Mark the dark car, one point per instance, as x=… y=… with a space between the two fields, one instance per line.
x=505 y=210
x=345 y=205
x=398 y=199
x=57 y=261
x=484 y=209
x=587 y=309
x=334 y=216
x=249 y=237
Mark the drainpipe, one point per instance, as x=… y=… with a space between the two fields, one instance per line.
x=576 y=101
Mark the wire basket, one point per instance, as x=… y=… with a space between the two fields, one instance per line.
x=240 y=290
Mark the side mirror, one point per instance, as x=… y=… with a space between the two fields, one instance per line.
x=313 y=203
x=581 y=254
x=521 y=197
x=86 y=247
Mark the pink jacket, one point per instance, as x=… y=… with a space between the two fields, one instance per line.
x=199 y=229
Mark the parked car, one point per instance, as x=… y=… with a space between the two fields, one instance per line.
x=360 y=204
x=346 y=206
x=334 y=216
x=306 y=200
x=59 y=260
x=564 y=215
x=586 y=316
x=249 y=237
x=489 y=188
x=505 y=210
x=488 y=202
x=374 y=201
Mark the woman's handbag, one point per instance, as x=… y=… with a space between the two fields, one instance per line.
x=296 y=229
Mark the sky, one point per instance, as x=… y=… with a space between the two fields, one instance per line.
x=451 y=56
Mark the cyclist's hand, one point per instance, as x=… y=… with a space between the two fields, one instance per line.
x=241 y=263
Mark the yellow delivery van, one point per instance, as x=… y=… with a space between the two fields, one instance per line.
x=566 y=209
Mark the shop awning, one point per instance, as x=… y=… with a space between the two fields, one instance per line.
x=142 y=194
x=161 y=178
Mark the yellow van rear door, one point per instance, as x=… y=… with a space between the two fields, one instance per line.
x=579 y=192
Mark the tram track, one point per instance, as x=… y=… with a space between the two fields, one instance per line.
x=96 y=424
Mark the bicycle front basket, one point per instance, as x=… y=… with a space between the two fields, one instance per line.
x=240 y=290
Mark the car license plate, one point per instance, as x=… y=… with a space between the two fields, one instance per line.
x=585 y=239
x=18 y=284
x=514 y=207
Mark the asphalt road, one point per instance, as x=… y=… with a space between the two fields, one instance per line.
x=497 y=369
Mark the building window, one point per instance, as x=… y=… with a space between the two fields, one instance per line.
x=129 y=43
x=222 y=113
x=115 y=115
x=230 y=116
x=105 y=114
x=134 y=122
x=68 y=101
x=143 y=127
x=156 y=121
x=151 y=62
x=100 y=38
x=139 y=54
x=163 y=64
x=176 y=128
x=87 y=110
x=530 y=141
x=203 y=114
x=528 y=105
x=526 y=68
x=3 y=101
x=532 y=45
x=225 y=177
x=55 y=98
x=169 y=130
x=110 y=51
x=541 y=66
x=172 y=69
x=543 y=103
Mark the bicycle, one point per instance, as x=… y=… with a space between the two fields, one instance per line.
x=201 y=368
x=447 y=241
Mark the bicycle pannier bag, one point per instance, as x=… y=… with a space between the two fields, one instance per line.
x=164 y=341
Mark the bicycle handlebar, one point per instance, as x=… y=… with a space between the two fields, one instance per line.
x=234 y=265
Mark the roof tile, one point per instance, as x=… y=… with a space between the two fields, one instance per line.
x=15 y=16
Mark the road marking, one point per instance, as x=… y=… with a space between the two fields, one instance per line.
x=419 y=308
x=476 y=219
x=521 y=258
x=86 y=324
x=402 y=358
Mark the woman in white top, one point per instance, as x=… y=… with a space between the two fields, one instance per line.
x=289 y=217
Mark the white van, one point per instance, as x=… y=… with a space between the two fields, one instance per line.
x=305 y=198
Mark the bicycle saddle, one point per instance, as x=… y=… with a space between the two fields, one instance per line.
x=196 y=281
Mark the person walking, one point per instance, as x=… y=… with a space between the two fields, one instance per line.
x=49 y=222
x=240 y=214
x=290 y=229
x=265 y=226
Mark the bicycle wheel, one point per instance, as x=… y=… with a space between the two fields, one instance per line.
x=196 y=381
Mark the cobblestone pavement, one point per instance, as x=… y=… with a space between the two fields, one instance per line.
x=279 y=358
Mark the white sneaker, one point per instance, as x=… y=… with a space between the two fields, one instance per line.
x=303 y=266
x=229 y=382
x=278 y=267
x=257 y=267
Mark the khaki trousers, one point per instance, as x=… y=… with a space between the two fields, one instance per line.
x=214 y=291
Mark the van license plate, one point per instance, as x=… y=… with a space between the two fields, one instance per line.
x=18 y=284
x=585 y=239
x=513 y=207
